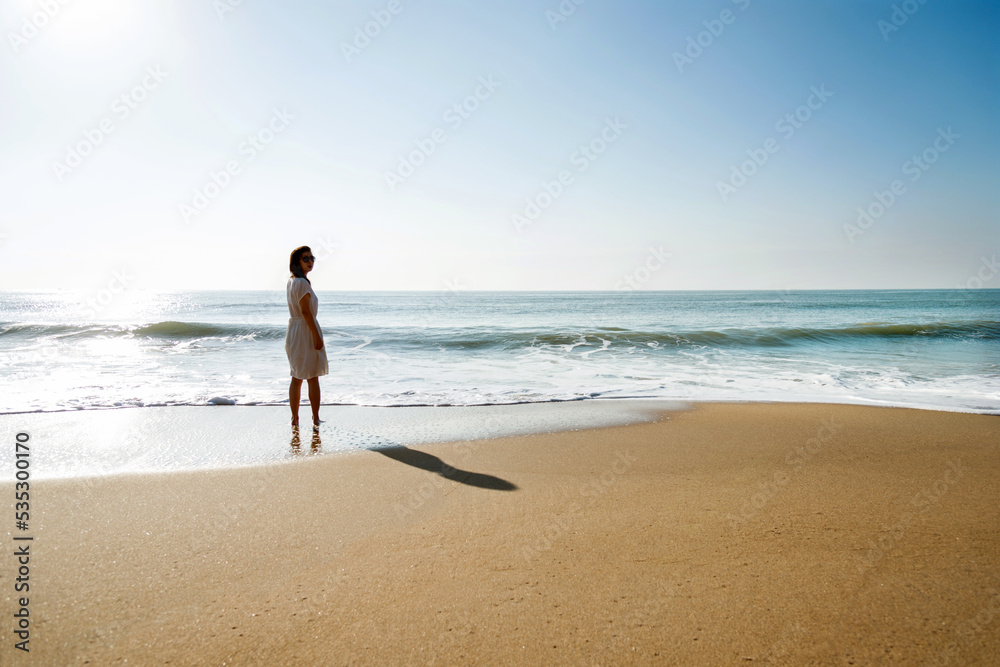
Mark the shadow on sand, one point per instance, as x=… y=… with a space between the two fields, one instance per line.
x=431 y=463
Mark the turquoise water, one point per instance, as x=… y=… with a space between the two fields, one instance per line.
x=920 y=348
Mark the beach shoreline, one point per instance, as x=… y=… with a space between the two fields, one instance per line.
x=725 y=532
x=158 y=438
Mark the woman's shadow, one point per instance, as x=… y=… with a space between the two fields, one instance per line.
x=411 y=457
x=431 y=463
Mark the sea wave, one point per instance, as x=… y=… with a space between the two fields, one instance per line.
x=484 y=338
x=472 y=338
x=169 y=330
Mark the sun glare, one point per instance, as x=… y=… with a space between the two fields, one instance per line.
x=115 y=304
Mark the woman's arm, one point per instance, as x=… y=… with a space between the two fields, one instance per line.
x=310 y=321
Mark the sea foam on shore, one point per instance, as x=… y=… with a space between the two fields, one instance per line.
x=160 y=439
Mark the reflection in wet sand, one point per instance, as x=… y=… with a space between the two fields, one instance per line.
x=314 y=446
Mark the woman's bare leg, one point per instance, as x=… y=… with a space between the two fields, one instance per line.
x=294 y=396
x=314 y=398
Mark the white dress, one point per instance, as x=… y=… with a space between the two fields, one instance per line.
x=304 y=359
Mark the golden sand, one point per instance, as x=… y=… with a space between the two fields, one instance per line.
x=725 y=534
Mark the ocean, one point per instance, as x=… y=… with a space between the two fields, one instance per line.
x=936 y=349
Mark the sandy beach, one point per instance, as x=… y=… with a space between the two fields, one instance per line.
x=722 y=534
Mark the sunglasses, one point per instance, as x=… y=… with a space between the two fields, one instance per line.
x=308 y=259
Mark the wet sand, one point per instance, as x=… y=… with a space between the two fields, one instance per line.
x=723 y=534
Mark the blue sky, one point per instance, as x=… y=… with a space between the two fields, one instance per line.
x=200 y=78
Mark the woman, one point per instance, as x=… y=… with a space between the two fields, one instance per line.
x=304 y=338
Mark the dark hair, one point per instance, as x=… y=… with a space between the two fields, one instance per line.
x=293 y=262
